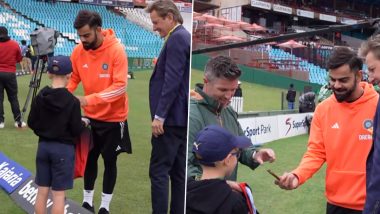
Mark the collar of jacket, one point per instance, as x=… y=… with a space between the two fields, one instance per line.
x=212 y=104
x=170 y=32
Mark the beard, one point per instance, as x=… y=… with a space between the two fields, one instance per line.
x=92 y=45
x=344 y=96
x=224 y=103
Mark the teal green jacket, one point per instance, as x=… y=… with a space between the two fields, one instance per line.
x=204 y=111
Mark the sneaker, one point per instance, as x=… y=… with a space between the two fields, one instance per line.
x=103 y=211
x=88 y=207
x=20 y=125
x=2 y=125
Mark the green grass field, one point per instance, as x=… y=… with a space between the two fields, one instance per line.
x=256 y=97
x=269 y=198
x=132 y=191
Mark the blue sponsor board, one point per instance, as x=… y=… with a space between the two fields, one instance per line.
x=186 y=9
x=12 y=174
x=25 y=196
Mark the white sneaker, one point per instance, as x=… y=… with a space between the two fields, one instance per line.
x=23 y=125
x=2 y=125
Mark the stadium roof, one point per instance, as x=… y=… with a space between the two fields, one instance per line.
x=204 y=5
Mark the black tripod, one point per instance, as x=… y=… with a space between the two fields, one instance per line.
x=34 y=85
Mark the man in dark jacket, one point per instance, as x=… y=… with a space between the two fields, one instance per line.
x=371 y=52
x=291 y=96
x=168 y=99
x=218 y=151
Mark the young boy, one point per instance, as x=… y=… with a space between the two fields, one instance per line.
x=55 y=116
x=218 y=152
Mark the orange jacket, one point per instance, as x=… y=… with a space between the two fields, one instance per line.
x=341 y=136
x=103 y=73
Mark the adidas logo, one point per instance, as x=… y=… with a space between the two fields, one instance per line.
x=335 y=126
x=117 y=148
x=85 y=66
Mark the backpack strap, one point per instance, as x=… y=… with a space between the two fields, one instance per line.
x=247 y=192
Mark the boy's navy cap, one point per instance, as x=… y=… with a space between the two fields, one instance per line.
x=214 y=143
x=59 y=65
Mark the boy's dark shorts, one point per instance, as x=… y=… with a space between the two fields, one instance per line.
x=55 y=165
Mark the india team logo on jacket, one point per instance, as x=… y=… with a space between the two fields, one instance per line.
x=105 y=66
x=104 y=73
x=367 y=125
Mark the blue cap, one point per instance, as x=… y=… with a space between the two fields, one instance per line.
x=214 y=143
x=59 y=65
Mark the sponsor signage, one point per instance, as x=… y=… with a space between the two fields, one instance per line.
x=305 y=13
x=116 y=3
x=127 y=3
x=107 y=2
x=266 y=129
x=348 y=21
x=19 y=183
x=261 y=4
x=282 y=9
x=260 y=129
x=26 y=194
x=327 y=17
x=184 y=7
x=12 y=175
x=292 y=125
x=89 y=1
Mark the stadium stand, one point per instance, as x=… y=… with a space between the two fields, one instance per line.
x=139 y=42
x=316 y=73
x=271 y=58
x=18 y=27
x=138 y=16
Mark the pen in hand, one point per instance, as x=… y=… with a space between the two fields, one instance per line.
x=273 y=174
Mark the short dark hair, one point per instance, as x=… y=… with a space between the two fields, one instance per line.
x=23 y=42
x=87 y=17
x=345 y=56
x=163 y=8
x=4 y=34
x=3 y=31
x=222 y=67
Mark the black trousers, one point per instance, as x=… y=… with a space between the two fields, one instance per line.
x=110 y=139
x=168 y=161
x=9 y=83
x=333 y=209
